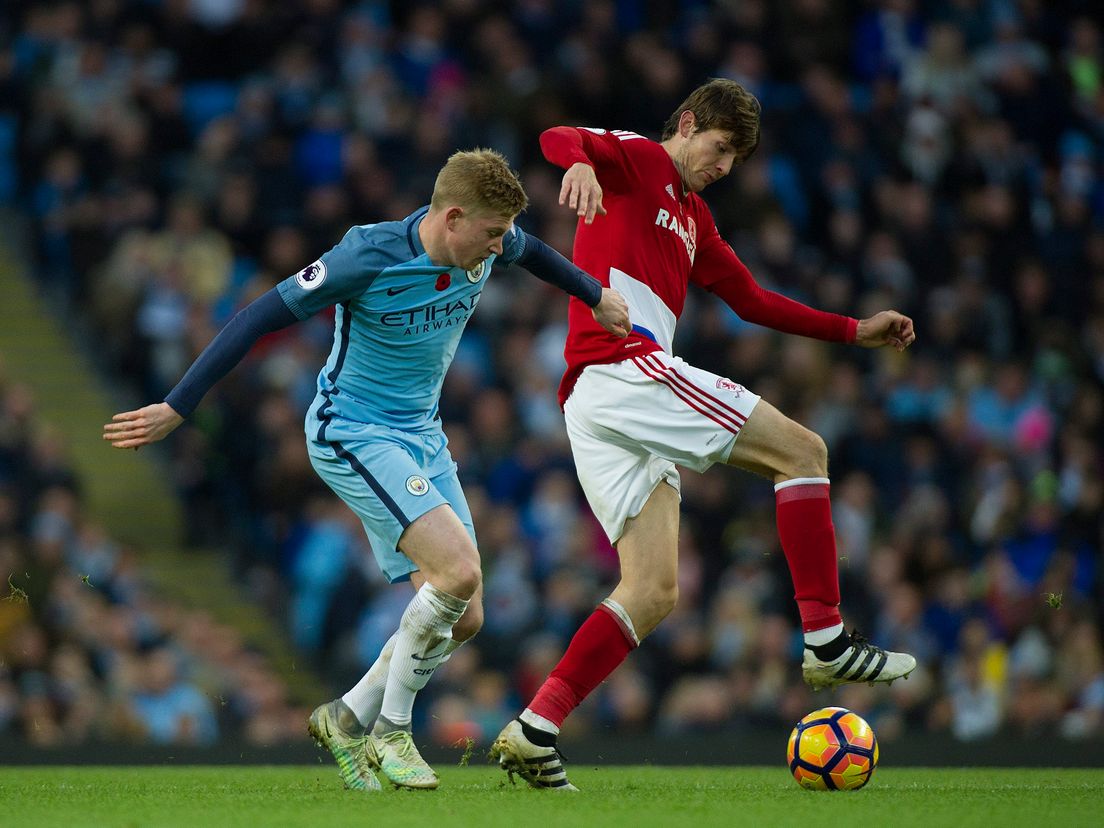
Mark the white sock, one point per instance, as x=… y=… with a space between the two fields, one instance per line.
x=623 y=615
x=539 y=722
x=366 y=698
x=421 y=643
x=817 y=638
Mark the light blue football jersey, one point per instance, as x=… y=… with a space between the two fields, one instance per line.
x=399 y=320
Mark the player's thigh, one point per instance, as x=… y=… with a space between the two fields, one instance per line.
x=443 y=544
x=648 y=546
x=776 y=447
x=617 y=476
x=448 y=484
x=443 y=550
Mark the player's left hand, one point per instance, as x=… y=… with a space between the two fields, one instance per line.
x=133 y=429
x=612 y=313
x=582 y=192
x=885 y=328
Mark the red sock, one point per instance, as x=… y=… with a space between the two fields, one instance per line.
x=596 y=650
x=808 y=538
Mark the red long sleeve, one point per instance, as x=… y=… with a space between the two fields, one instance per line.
x=597 y=148
x=719 y=270
x=563 y=146
x=773 y=310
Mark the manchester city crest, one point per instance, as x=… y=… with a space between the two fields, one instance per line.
x=476 y=273
x=417 y=485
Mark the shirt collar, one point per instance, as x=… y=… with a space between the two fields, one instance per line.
x=413 y=222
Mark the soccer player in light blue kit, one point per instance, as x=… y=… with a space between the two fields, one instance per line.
x=404 y=291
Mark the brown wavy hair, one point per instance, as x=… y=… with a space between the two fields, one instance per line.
x=725 y=105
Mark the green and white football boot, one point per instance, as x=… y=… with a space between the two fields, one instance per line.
x=396 y=757
x=347 y=744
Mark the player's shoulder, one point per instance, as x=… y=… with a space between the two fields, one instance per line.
x=380 y=245
x=614 y=134
x=379 y=235
x=515 y=238
x=632 y=142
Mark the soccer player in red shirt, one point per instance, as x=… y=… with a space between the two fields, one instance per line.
x=634 y=410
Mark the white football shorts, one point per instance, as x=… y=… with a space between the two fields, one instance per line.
x=630 y=422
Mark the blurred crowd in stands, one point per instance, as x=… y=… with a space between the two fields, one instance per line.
x=176 y=158
x=88 y=651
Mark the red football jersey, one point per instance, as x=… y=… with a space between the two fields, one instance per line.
x=654 y=240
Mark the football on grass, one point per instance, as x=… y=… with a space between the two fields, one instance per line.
x=832 y=749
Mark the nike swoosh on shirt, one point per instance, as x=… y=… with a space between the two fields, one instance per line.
x=392 y=291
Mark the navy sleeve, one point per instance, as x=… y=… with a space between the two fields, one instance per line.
x=545 y=263
x=264 y=315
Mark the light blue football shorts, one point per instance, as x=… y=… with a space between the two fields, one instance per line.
x=390 y=478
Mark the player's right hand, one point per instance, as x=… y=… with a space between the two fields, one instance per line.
x=133 y=429
x=612 y=313
x=582 y=192
x=886 y=328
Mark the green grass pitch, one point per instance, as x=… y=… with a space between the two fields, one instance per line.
x=634 y=797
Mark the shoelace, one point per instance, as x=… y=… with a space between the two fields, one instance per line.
x=396 y=740
x=404 y=747
x=859 y=642
x=360 y=755
x=863 y=654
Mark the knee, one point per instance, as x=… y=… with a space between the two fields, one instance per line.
x=462 y=578
x=470 y=623
x=648 y=604
x=818 y=452
x=467 y=578
x=663 y=599
x=811 y=457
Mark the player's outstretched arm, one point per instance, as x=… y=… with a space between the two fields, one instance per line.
x=885 y=328
x=134 y=429
x=609 y=309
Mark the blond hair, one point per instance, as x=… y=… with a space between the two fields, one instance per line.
x=479 y=180
x=725 y=105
